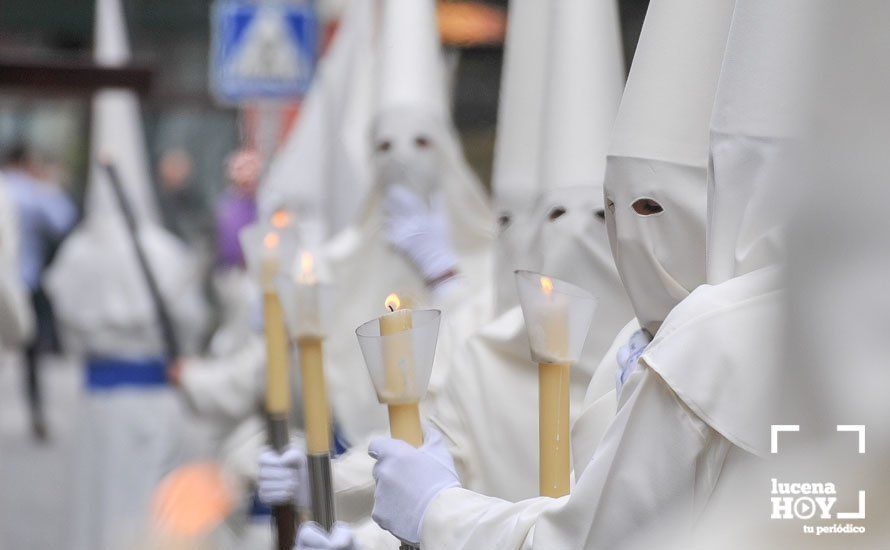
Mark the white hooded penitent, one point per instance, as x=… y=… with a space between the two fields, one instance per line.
x=661 y=129
x=415 y=146
x=568 y=240
x=515 y=183
x=657 y=172
x=106 y=311
x=756 y=123
x=116 y=316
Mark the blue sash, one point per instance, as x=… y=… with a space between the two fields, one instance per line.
x=107 y=373
x=340 y=443
x=258 y=509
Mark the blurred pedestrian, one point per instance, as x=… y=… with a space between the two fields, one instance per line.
x=45 y=214
x=181 y=201
x=16 y=319
x=237 y=206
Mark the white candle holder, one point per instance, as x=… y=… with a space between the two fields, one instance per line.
x=401 y=362
x=265 y=244
x=557 y=316
x=307 y=307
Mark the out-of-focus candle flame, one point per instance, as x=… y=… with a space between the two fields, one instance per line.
x=547 y=285
x=392 y=302
x=307 y=263
x=270 y=241
x=281 y=219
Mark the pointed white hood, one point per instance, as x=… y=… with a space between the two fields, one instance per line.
x=515 y=181
x=516 y=151
x=753 y=172
x=656 y=175
x=568 y=240
x=585 y=78
x=117 y=127
x=98 y=289
x=363 y=265
x=323 y=170
x=757 y=113
x=412 y=69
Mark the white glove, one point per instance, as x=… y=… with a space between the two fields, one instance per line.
x=408 y=479
x=419 y=231
x=628 y=355
x=283 y=478
x=313 y=537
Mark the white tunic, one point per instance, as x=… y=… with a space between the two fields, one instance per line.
x=660 y=460
x=131 y=434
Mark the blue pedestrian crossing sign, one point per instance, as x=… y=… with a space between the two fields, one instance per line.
x=262 y=49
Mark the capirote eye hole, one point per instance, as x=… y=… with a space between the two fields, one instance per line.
x=646 y=207
x=600 y=213
x=504 y=220
x=422 y=142
x=384 y=145
x=610 y=204
x=556 y=212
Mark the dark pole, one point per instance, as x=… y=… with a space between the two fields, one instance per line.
x=171 y=346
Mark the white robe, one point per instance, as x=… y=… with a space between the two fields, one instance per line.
x=131 y=436
x=495 y=380
x=692 y=403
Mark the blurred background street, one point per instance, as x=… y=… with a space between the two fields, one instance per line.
x=36 y=477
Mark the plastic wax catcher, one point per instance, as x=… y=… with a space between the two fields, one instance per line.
x=557 y=316
x=307 y=307
x=400 y=363
x=264 y=245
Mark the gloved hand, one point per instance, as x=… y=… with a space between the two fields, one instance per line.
x=313 y=537
x=283 y=478
x=628 y=355
x=408 y=479
x=420 y=232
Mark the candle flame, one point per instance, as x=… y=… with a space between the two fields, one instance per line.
x=307 y=272
x=270 y=241
x=547 y=285
x=281 y=219
x=392 y=302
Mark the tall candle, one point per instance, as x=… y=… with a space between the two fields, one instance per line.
x=316 y=410
x=398 y=358
x=277 y=360
x=553 y=397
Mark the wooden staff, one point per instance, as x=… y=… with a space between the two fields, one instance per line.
x=398 y=361
x=553 y=398
x=317 y=416
x=278 y=401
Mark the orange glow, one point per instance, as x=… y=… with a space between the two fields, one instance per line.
x=471 y=23
x=392 y=302
x=281 y=219
x=547 y=285
x=270 y=241
x=192 y=500
x=307 y=264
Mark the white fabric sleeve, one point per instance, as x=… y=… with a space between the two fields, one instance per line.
x=226 y=388
x=354 y=482
x=640 y=482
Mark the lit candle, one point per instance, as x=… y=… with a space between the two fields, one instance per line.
x=277 y=361
x=316 y=411
x=398 y=358
x=553 y=384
